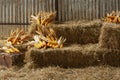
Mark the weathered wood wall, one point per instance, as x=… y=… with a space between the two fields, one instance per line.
x=85 y=9
x=17 y=12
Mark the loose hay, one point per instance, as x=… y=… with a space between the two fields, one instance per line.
x=110 y=36
x=57 y=73
x=79 y=33
x=73 y=56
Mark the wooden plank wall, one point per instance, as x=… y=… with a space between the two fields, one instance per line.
x=85 y=9
x=16 y=13
x=19 y=11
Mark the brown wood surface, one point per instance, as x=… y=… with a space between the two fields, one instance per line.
x=17 y=12
x=9 y=60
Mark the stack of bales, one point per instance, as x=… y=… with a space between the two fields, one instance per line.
x=106 y=52
x=84 y=33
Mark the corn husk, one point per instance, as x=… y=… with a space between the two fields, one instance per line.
x=113 y=17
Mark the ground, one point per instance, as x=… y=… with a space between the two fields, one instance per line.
x=57 y=73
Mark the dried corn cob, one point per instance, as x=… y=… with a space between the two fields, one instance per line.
x=113 y=17
x=43 y=18
x=12 y=50
x=18 y=37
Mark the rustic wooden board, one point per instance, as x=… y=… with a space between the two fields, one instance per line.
x=9 y=60
x=14 y=12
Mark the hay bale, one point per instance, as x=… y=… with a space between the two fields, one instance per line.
x=2 y=42
x=22 y=47
x=66 y=57
x=103 y=55
x=83 y=33
x=112 y=57
x=73 y=56
x=110 y=36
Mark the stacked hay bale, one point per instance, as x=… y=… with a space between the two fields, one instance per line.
x=68 y=56
x=73 y=56
x=109 y=39
x=83 y=33
x=110 y=36
x=106 y=52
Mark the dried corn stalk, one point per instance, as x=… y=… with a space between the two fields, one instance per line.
x=8 y=48
x=113 y=17
x=49 y=40
x=44 y=37
x=38 y=22
x=18 y=37
x=43 y=18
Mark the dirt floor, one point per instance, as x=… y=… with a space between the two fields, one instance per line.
x=57 y=73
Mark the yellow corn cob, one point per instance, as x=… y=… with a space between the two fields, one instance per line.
x=36 y=46
x=38 y=21
x=52 y=38
x=53 y=42
x=45 y=47
x=48 y=38
x=44 y=43
x=9 y=50
x=118 y=19
x=115 y=19
x=15 y=49
x=61 y=46
x=108 y=20
x=40 y=44
x=50 y=45
x=43 y=21
x=18 y=42
x=54 y=46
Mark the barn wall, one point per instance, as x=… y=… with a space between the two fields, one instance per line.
x=17 y=12
x=85 y=9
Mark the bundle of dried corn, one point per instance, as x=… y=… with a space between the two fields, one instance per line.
x=48 y=40
x=43 y=18
x=39 y=36
x=8 y=48
x=18 y=37
x=44 y=37
x=113 y=17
